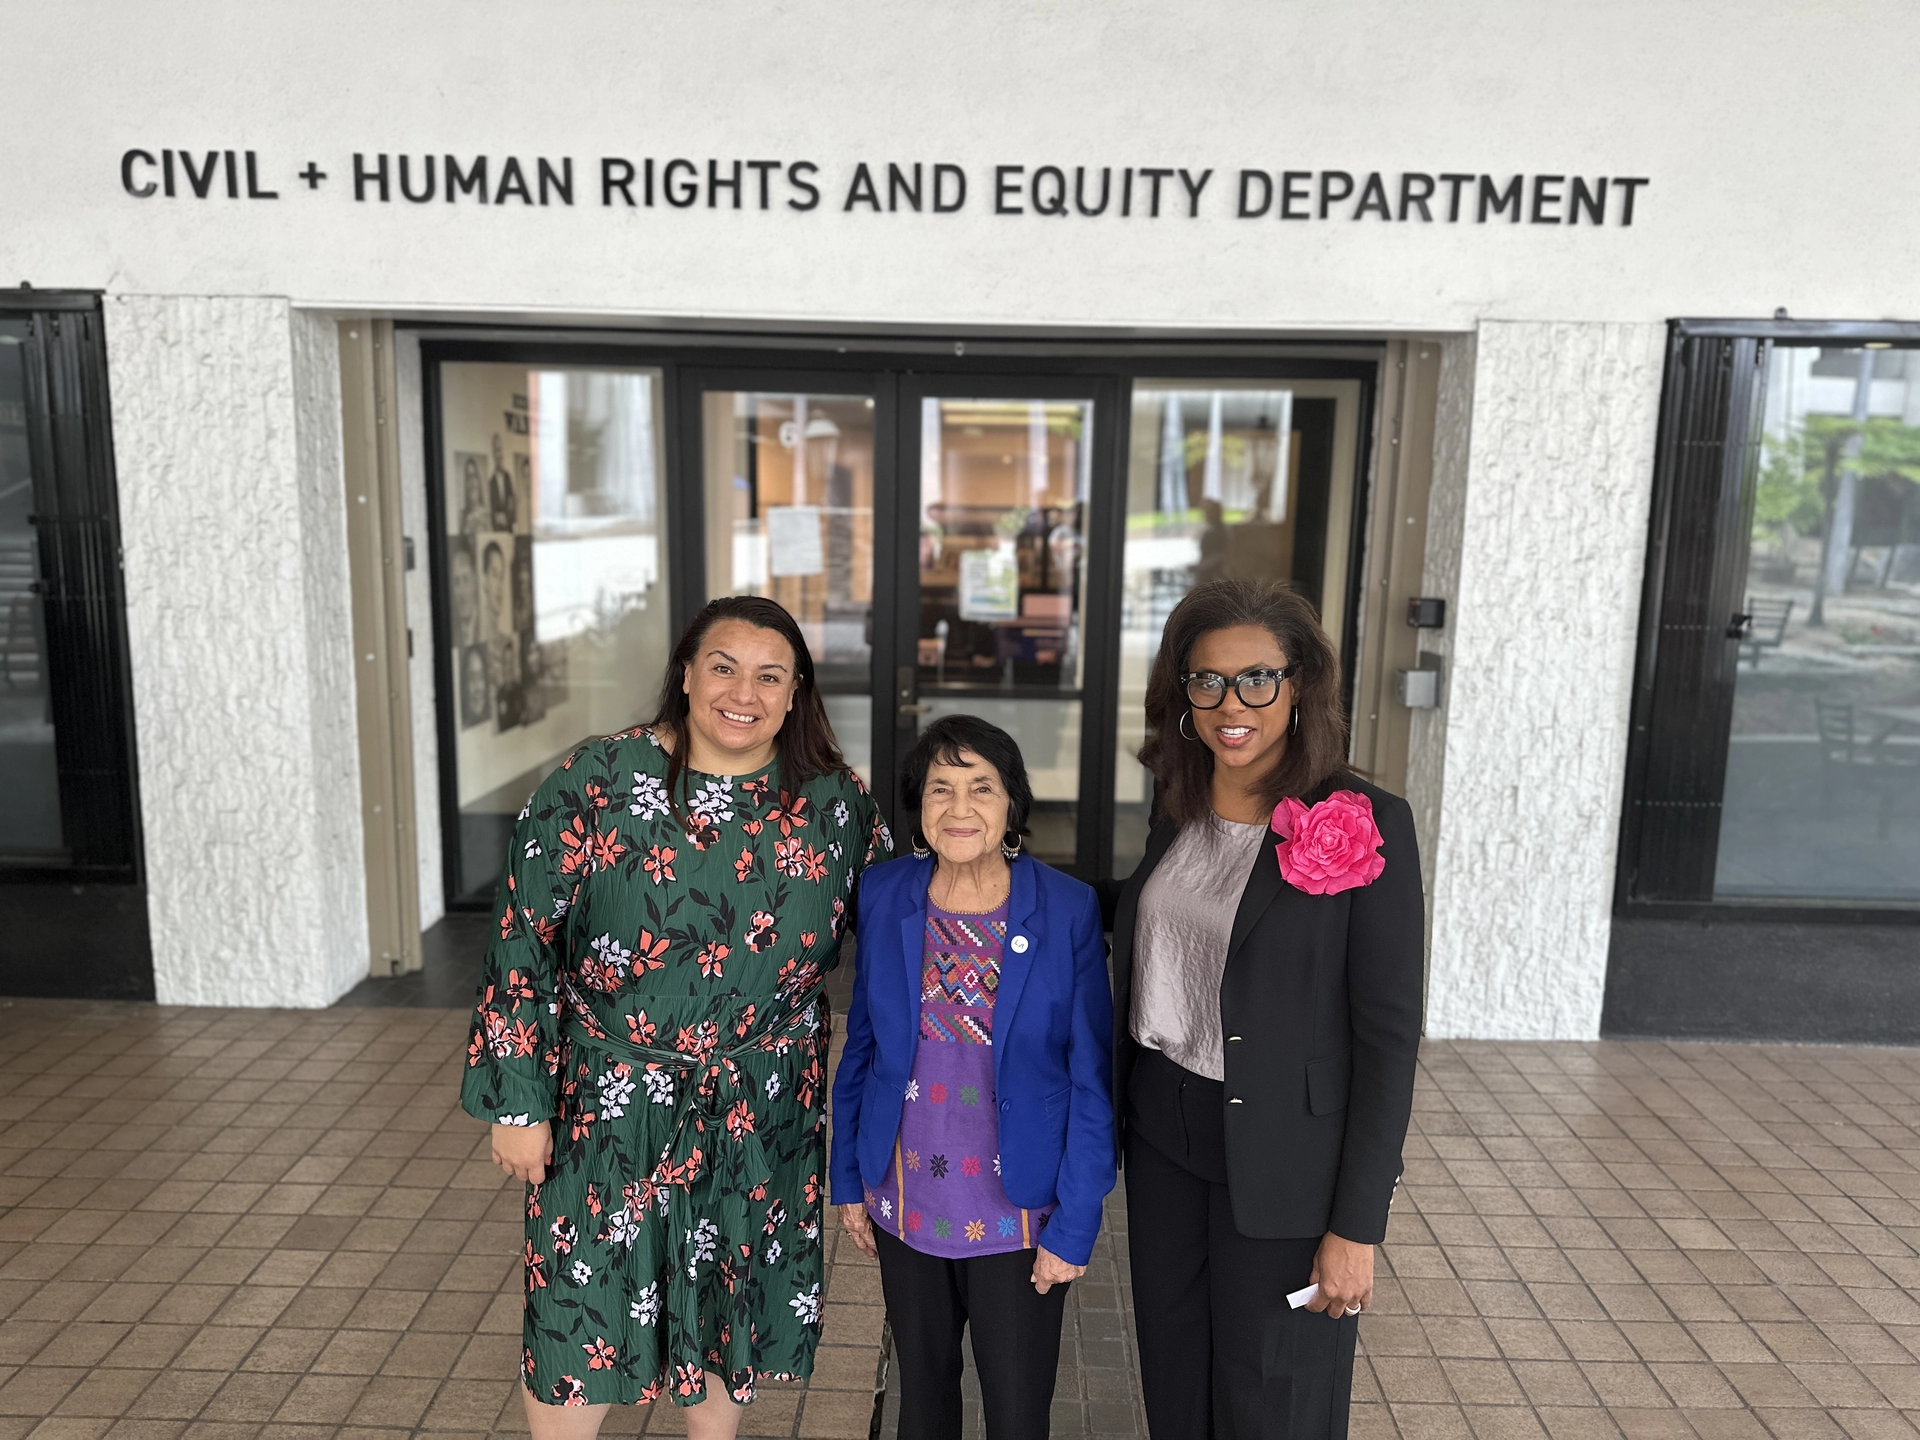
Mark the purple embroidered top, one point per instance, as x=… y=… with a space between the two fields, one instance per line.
x=942 y=1192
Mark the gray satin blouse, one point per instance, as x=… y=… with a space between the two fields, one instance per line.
x=1180 y=947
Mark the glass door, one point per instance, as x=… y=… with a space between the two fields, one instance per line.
x=994 y=618
x=787 y=485
x=552 y=543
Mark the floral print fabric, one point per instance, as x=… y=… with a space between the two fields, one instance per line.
x=653 y=989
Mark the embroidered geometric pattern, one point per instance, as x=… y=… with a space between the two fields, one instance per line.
x=948 y=979
x=949 y=932
x=958 y=1029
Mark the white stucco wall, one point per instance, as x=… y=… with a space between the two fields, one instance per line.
x=1740 y=216
x=1552 y=543
x=226 y=419
x=1440 y=576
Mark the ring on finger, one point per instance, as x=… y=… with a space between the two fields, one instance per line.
x=1353 y=1309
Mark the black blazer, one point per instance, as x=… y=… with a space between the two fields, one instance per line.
x=1320 y=1015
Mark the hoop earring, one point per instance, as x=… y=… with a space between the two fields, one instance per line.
x=1293 y=725
x=1010 y=852
x=920 y=849
x=1184 y=728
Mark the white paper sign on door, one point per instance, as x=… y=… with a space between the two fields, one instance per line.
x=793 y=540
x=989 y=583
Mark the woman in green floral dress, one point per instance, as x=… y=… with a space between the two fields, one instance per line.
x=651 y=1038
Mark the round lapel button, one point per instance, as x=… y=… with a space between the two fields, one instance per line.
x=1019 y=944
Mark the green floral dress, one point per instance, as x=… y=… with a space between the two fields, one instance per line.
x=654 y=989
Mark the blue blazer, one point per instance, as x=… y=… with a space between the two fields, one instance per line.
x=1052 y=1045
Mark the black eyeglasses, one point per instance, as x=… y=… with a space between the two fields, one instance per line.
x=1257 y=688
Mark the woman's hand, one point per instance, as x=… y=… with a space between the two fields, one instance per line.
x=1050 y=1270
x=524 y=1151
x=1344 y=1272
x=859 y=1227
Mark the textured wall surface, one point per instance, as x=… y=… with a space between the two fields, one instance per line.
x=1553 y=531
x=226 y=420
x=419 y=590
x=1440 y=575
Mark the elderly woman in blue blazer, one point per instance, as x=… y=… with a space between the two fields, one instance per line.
x=973 y=1114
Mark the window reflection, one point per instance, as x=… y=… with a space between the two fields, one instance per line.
x=1225 y=479
x=555 y=569
x=1004 y=486
x=789 y=515
x=30 y=823
x=1822 y=795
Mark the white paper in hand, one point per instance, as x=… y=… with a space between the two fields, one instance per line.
x=1301 y=1297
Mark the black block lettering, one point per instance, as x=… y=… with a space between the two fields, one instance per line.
x=362 y=176
x=1373 y=198
x=1053 y=200
x=1500 y=200
x=615 y=174
x=942 y=174
x=233 y=178
x=254 y=192
x=142 y=191
x=1328 y=195
x=473 y=182
x=1593 y=201
x=1536 y=215
x=680 y=190
x=715 y=184
x=513 y=181
x=1001 y=189
x=1246 y=211
x=1453 y=184
x=794 y=179
x=406 y=180
x=897 y=185
x=1411 y=196
x=1126 y=194
x=1290 y=192
x=1079 y=190
x=1194 y=187
x=561 y=183
x=1153 y=204
x=1628 y=184
x=202 y=180
x=166 y=171
x=762 y=168
x=862 y=190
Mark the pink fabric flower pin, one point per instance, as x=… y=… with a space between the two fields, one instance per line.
x=1331 y=847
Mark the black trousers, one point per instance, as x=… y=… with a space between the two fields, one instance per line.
x=1016 y=1339
x=1222 y=1357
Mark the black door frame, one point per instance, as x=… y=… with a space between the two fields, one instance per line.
x=1100 y=370
x=1706 y=453
x=79 y=928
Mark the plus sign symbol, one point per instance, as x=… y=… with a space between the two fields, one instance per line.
x=313 y=175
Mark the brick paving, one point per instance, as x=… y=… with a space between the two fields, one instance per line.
x=202 y=1214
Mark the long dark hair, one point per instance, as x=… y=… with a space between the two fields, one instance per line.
x=941 y=743
x=807 y=746
x=1315 y=751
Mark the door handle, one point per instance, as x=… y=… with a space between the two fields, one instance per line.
x=906 y=710
x=1740 y=626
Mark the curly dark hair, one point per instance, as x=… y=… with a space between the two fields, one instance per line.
x=807 y=745
x=941 y=743
x=1315 y=751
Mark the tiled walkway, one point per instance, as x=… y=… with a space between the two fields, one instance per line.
x=240 y=1224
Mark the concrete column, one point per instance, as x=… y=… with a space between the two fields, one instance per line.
x=1549 y=513
x=226 y=427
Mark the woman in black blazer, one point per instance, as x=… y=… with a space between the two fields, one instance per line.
x=1267 y=994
